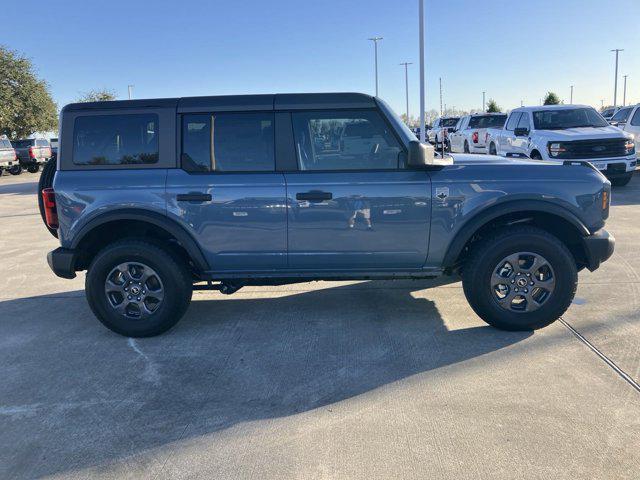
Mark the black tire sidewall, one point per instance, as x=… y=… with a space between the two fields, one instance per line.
x=177 y=288
x=477 y=284
x=621 y=181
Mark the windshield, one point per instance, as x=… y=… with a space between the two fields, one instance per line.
x=622 y=115
x=487 y=121
x=449 y=122
x=22 y=143
x=567 y=118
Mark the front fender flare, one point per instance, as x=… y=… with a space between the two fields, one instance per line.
x=485 y=216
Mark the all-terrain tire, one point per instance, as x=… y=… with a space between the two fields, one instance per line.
x=486 y=256
x=46 y=181
x=621 y=181
x=175 y=280
x=33 y=168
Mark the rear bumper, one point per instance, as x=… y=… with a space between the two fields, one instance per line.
x=598 y=247
x=62 y=261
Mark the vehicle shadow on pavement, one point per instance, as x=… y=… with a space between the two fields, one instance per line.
x=77 y=396
x=27 y=188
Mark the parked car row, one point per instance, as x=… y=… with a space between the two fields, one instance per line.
x=553 y=133
x=29 y=154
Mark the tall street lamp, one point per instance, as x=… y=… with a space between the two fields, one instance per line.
x=421 y=49
x=615 y=86
x=571 y=101
x=624 y=91
x=484 y=109
x=406 y=86
x=375 y=41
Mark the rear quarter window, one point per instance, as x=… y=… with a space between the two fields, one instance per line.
x=128 y=139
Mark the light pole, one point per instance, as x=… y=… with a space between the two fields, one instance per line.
x=615 y=85
x=375 y=41
x=571 y=101
x=130 y=89
x=406 y=86
x=483 y=102
x=421 y=39
x=601 y=104
x=624 y=91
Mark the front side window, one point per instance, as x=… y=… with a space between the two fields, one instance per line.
x=228 y=142
x=622 y=115
x=635 y=121
x=344 y=140
x=524 y=121
x=130 y=139
x=513 y=121
x=564 y=118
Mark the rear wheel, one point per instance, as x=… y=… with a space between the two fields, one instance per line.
x=15 y=170
x=521 y=278
x=492 y=149
x=33 y=168
x=621 y=181
x=137 y=288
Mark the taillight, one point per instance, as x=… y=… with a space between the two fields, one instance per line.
x=31 y=154
x=474 y=137
x=50 y=211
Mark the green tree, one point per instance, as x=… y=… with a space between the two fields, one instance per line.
x=103 y=95
x=26 y=105
x=551 y=99
x=492 y=106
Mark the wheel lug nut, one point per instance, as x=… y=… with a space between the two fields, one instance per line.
x=528 y=274
x=129 y=297
x=516 y=289
x=531 y=284
x=513 y=281
x=138 y=298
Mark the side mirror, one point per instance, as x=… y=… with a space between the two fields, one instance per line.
x=521 y=132
x=421 y=155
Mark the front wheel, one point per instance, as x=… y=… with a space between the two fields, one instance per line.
x=621 y=181
x=137 y=288
x=520 y=278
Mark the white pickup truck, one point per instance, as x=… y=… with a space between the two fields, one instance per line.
x=566 y=132
x=470 y=132
x=627 y=119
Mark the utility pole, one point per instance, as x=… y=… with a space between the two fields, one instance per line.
x=406 y=86
x=441 y=97
x=624 y=91
x=130 y=89
x=375 y=41
x=421 y=39
x=522 y=103
x=484 y=109
x=601 y=104
x=615 y=85
x=571 y=101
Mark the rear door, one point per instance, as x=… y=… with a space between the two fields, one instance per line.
x=456 y=138
x=352 y=203
x=227 y=192
x=633 y=126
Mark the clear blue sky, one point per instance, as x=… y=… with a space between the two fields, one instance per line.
x=513 y=50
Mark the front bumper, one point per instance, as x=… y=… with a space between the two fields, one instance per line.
x=63 y=261
x=598 y=247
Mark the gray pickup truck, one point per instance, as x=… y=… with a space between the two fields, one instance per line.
x=156 y=198
x=32 y=153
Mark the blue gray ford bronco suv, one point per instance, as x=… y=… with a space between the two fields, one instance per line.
x=156 y=198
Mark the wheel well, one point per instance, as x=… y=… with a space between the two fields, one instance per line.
x=109 y=232
x=564 y=230
x=534 y=151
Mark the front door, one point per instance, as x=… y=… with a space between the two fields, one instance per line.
x=227 y=193
x=352 y=204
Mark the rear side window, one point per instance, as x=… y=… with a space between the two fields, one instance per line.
x=513 y=121
x=635 y=121
x=22 y=143
x=622 y=115
x=228 y=142
x=344 y=140
x=116 y=139
x=487 y=121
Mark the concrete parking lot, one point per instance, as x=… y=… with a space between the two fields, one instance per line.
x=320 y=380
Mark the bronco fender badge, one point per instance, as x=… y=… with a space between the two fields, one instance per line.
x=442 y=193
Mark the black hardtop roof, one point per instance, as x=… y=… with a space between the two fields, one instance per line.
x=278 y=101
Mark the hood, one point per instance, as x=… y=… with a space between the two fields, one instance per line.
x=582 y=133
x=478 y=159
